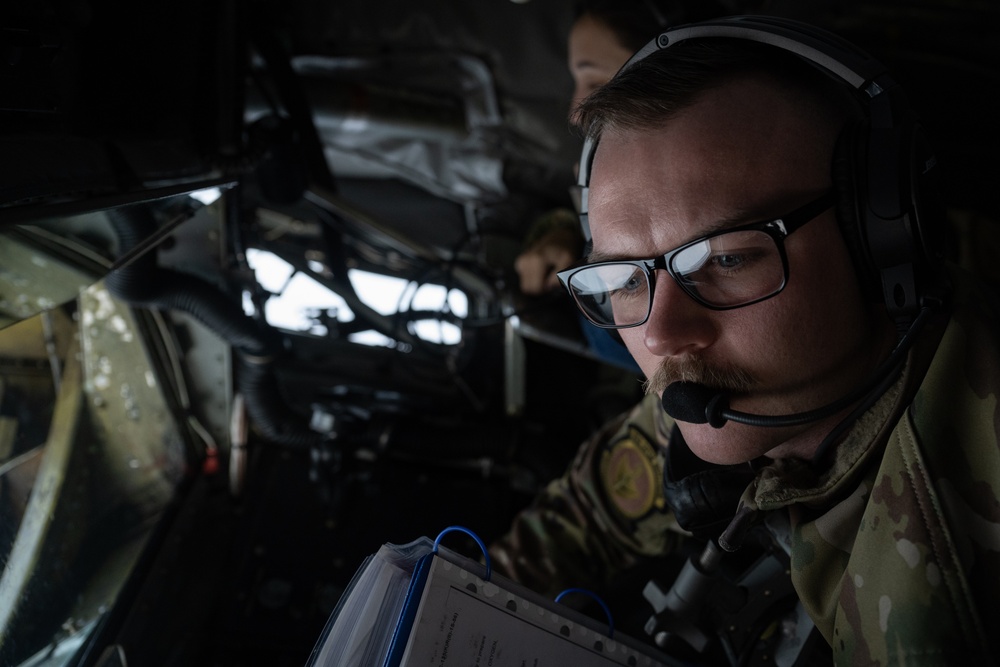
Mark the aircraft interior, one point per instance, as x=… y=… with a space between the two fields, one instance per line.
x=258 y=307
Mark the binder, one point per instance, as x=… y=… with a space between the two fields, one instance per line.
x=423 y=605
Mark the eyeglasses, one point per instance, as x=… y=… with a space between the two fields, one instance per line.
x=728 y=269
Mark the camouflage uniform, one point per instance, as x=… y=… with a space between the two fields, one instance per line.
x=894 y=549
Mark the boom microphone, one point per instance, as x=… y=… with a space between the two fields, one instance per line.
x=699 y=404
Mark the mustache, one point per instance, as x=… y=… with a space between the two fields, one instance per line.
x=726 y=377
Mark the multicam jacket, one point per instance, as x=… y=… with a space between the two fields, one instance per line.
x=894 y=550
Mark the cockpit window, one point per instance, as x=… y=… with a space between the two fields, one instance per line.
x=298 y=302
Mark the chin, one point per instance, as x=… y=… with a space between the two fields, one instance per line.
x=730 y=445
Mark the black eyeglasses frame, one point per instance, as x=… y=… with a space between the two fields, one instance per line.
x=778 y=229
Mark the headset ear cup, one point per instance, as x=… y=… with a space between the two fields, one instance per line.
x=847 y=172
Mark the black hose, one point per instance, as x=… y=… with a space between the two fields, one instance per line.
x=143 y=283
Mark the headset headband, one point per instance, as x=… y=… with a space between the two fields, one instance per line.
x=832 y=54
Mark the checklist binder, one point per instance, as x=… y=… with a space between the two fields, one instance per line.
x=423 y=605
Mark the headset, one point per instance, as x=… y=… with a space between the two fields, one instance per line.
x=890 y=212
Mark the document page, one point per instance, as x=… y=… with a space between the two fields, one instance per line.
x=464 y=622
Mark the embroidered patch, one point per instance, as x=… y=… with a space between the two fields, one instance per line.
x=632 y=476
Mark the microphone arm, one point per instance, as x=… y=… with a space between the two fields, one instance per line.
x=698 y=404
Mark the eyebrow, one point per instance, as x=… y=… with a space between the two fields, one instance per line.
x=588 y=64
x=741 y=217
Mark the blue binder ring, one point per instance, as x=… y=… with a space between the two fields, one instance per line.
x=462 y=529
x=596 y=597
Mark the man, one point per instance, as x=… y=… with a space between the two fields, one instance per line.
x=732 y=164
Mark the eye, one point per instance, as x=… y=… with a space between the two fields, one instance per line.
x=631 y=286
x=729 y=261
x=737 y=253
x=635 y=282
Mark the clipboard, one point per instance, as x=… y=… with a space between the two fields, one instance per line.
x=423 y=605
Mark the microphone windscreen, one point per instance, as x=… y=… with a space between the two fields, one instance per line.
x=687 y=401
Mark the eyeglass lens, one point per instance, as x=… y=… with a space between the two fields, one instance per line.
x=722 y=271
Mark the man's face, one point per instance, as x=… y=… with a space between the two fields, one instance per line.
x=743 y=153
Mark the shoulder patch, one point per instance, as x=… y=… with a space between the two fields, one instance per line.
x=632 y=474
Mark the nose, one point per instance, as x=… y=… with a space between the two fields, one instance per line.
x=677 y=323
